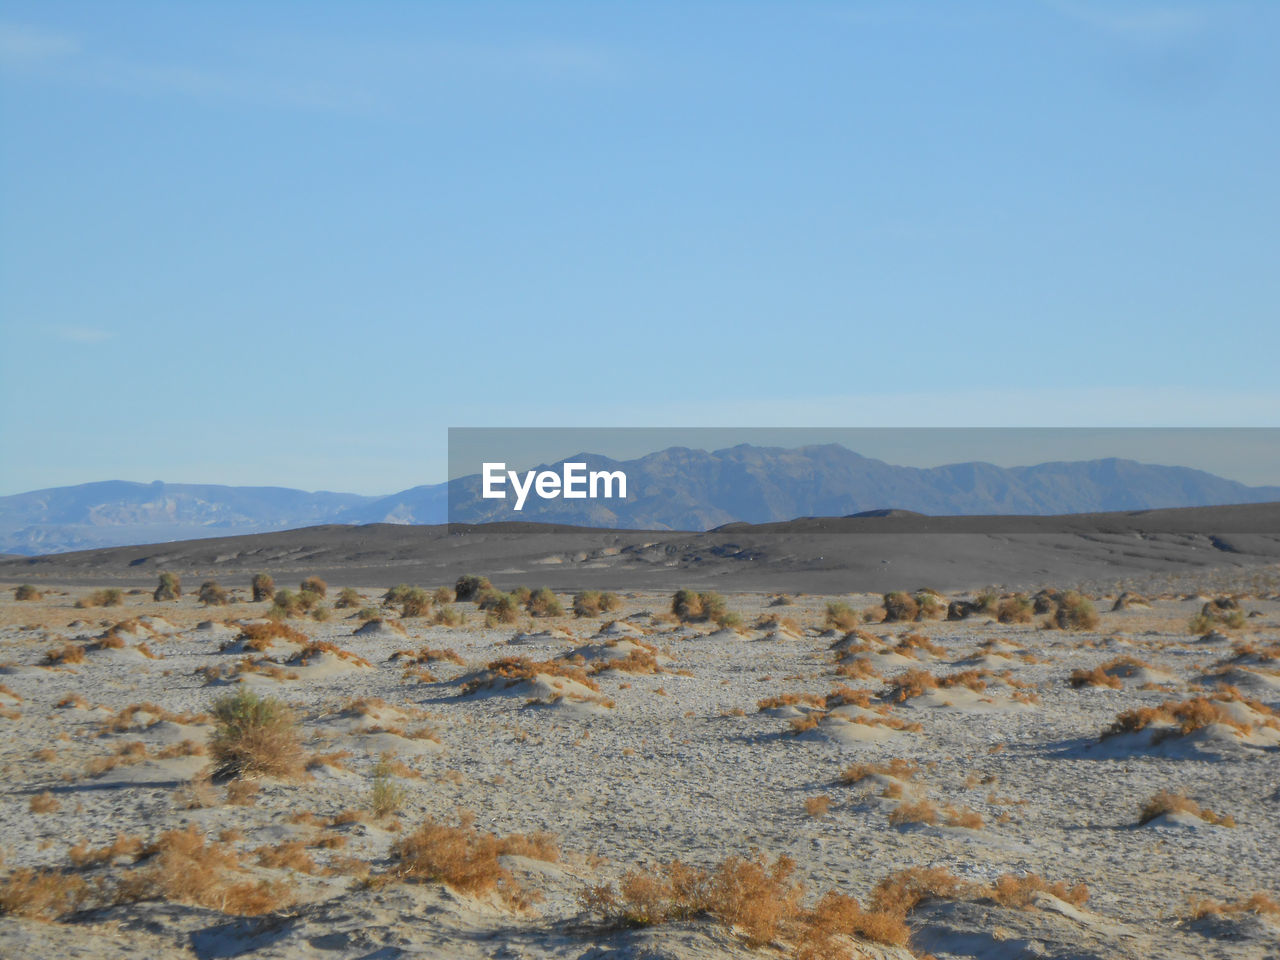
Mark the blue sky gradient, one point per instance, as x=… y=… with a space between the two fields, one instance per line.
x=286 y=243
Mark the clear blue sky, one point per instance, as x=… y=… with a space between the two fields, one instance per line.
x=291 y=243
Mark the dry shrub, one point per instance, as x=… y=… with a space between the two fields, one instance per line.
x=111 y=597
x=817 y=807
x=918 y=641
x=791 y=700
x=963 y=817
x=1015 y=609
x=414 y=601
x=41 y=894
x=127 y=717
x=447 y=617
x=26 y=592
x=499 y=607
x=314 y=585
x=858 y=669
x=543 y=603
x=212 y=594
x=1188 y=716
x=901 y=892
x=841 y=616
x=66 y=654
x=972 y=679
x=169 y=588
x=385 y=796
x=463 y=858
x=124 y=845
x=1075 y=612
x=125 y=755
x=642 y=661
x=264 y=588
x=1259 y=903
x=911 y=683
x=900 y=606
x=836 y=917
x=513 y=670
x=929 y=605
x=913 y=811
x=1010 y=890
x=241 y=793
x=182 y=866
x=592 y=603
x=288 y=855
x=758 y=897
x=254 y=735
x=690 y=607
x=44 y=803
x=317 y=647
x=1167 y=801
x=258 y=636
x=897 y=768
x=1097 y=677
x=348 y=597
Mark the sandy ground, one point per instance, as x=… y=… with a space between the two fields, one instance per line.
x=729 y=748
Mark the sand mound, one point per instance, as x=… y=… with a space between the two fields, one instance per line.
x=379 y=628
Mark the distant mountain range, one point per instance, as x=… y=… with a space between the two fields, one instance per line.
x=673 y=489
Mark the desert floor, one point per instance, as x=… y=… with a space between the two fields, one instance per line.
x=624 y=741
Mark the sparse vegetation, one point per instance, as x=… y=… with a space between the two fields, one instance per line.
x=348 y=597
x=386 y=796
x=314 y=585
x=26 y=592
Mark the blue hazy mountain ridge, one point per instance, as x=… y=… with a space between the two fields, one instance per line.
x=673 y=489
x=118 y=512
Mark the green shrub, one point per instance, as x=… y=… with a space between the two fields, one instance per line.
x=416 y=602
x=443 y=595
x=841 y=616
x=543 y=603
x=254 y=735
x=592 y=603
x=447 y=617
x=26 y=592
x=500 y=607
x=170 y=587
x=522 y=595
x=929 y=606
x=264 y=588
x=284 y=604
x=314 y=585
x=387 y=796
x=396 y=594
x=365 y=614
x=470 y=586
x=212 y=595
x=320 y=612
x=348 y=597
x=687 y=605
